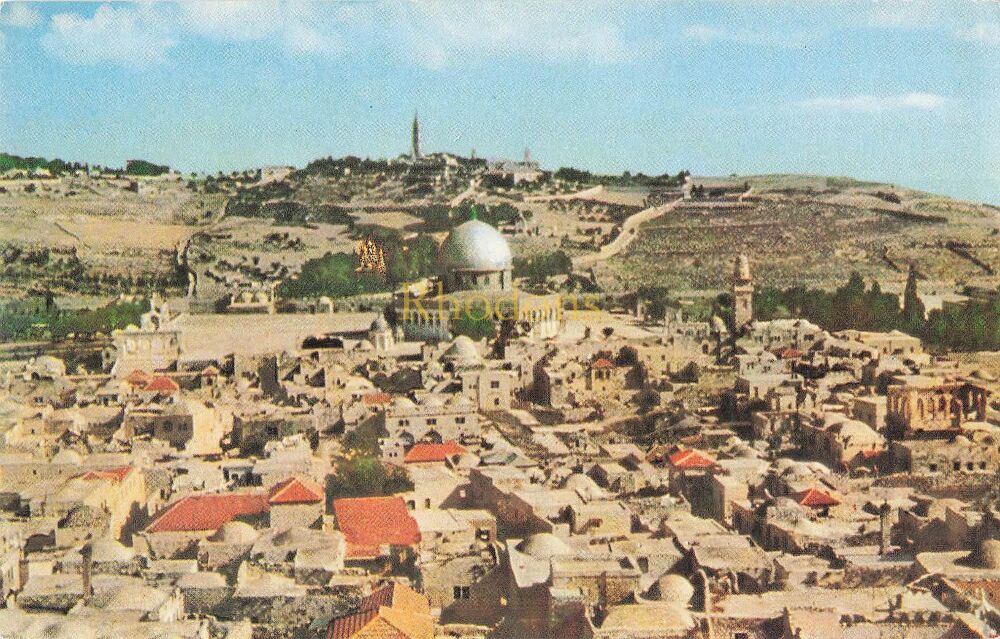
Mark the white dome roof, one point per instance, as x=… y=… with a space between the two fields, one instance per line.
x=675 y=589
x=110 y=550
x=475 y=246
x=236 y=532
x=462 y=349
x=67 y=456
x=543 y=546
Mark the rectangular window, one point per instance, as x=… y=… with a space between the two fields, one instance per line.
x=459 y=420
x=495 y=384
x=460 y=592
x=431 y=421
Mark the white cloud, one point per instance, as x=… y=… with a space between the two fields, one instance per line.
x=233 y=19
x=709 y=34
x=299 y=26
x=127 y=36
x=987 y=33
x=905 y=14
x=438 y=34
x=876 y=104
x=17 y=14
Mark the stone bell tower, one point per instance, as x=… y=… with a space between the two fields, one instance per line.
x=742 y=292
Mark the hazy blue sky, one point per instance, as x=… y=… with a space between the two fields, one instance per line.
x=906 y=92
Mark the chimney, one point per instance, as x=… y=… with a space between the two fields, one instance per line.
x=88 y=564
x=884 y=528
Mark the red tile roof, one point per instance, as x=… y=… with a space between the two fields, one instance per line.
x=207 y=512
x=376 y=399
x=371 y=522
x=691 y=458
x=788 y=353
x=432 y=452
x=209 y=371
x=989 y=587
x=114 y=474
x=382 y=603
x=138 y=378
x=603 y=362
x=161 y=384
x=296 y=490
x=815 y=498
x=347 y=626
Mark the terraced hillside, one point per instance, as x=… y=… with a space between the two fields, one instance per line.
x=814 y=232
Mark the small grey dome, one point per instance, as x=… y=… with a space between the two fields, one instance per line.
x=379 y=324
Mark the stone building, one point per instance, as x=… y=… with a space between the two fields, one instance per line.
x=435 y=418
x=929 y=407
x=476 y=282
x=742 y=292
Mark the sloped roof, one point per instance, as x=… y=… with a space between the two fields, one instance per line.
x=376 y=399
x=116 y=474
x=161 y=384
x=398 y=596
x=815 y=498
x=603 y=362
x=391 y=612
x=138 y=378
x=207 y=512
x=691 y=458
x=296 y=490
x=432 y=452
x=370 y=522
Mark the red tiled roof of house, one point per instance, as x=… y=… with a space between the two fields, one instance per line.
x=989 y=587
x=161 y=384
x=376 y=399
x=691 y=458
x=603 y=362
x=138 y=378
x=402 y=613
x=432 y=452
x=207 y=512
x=296 y=490
x=396 y=595
x=815 y=498
x=209 y=371
x=788 y=353
x=347 y=626
x=371 y=522
x=872 y=452
x=116 y=474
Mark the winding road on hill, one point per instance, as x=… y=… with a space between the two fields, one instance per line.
x=625 y=237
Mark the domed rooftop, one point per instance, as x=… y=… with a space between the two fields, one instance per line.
x=236 y=532
x=462 y=349
x=201 y=580
x=543 y=546
x=379 y=324
x=110 y=550
x=67 y=456
x=674 y=588
x=68 y=629
x=475 y=246
x=136 y=597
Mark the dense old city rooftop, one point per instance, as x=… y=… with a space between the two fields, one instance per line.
x=244 y=460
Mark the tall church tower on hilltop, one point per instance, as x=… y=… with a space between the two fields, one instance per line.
x=415 y=142
x=742 y=292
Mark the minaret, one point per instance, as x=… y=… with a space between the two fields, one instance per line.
x=742 y=292
x=415 y=150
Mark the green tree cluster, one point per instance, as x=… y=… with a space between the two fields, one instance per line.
x=539 y=267
x=366 y=476
x=974 y=325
